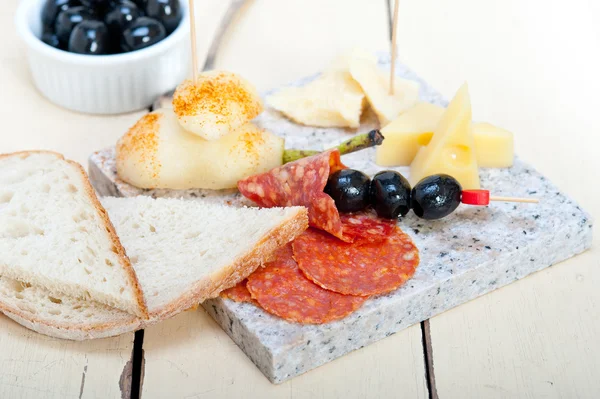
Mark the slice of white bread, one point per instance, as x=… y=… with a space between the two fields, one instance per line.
x=55 y=234
x=184 y=252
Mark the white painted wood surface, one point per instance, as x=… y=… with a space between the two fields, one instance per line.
x=35 y=366
x=532 y=67
x=190 y=356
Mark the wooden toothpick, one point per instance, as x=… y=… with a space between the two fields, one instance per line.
x=515 y=199
x=393 y=60
x=193 y=40
x=483 y=198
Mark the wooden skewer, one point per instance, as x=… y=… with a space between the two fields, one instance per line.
x=515 y=199
x=193 y=40
x=393 y=52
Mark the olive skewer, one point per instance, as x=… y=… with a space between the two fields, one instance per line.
x=390 y=194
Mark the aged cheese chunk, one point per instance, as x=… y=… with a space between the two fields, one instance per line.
x=452 y=148
x=158 y=153
x=375 y=84
x=332 y=100
x=407 y=133
x=414 y=129
x=494 y=146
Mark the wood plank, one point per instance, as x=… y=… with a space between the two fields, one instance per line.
x=273 y=43
x=537 y=337
x=190 y=356
x=35 y=366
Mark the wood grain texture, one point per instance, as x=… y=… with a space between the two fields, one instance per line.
x=35 y=366
x=190 y=356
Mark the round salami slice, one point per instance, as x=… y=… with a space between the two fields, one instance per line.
x=368 y=269
x=300 y=183
x=281 y=289
x=366 y=228
x=238 y=293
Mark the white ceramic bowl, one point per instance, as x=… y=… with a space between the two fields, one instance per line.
x=103 y=84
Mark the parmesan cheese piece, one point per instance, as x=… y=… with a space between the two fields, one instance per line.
x=407 y=134
x=452 y=148
x=413 y=129
x=375 y=84
x=332 y=100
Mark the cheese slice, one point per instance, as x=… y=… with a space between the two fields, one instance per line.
x=494 y=147
x=409 y=132
x=452 y=148
x=332 y=100
x=375 y=84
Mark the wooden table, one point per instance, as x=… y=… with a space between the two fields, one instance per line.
x=532 y=68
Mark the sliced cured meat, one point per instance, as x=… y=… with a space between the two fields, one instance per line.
x=300 y=183
x=368 y=269
x=365 y=227
x=238 y=293
x=282 y=289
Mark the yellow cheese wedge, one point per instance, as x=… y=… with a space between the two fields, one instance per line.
x=332 y=100
x=494 y=146
x=452 y=148
x=375 y=84
x=407 y=133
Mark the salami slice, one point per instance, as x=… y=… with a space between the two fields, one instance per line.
x=300 y=183
x=368 y=269
x=238 y=293
x=366 y=228
x=281 y=289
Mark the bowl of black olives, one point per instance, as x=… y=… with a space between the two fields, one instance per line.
x=105 y=56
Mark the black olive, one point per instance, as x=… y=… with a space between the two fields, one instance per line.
x=167 y=12
x=349 y=189
x=390 y=194
x=435 y=197
x=99 y=6
x=68 y=19
x=141 y=33
x=90 y=37
x=52 y=8
x=120 y=16
x=52 y=40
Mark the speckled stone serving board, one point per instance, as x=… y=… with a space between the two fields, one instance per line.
x=470 y=253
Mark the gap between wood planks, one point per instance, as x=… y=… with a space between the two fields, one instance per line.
x=132 y=378
x=425 y=332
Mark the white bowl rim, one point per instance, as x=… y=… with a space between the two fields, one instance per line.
x=26 y=34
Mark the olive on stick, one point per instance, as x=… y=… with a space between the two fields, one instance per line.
x=349 y=189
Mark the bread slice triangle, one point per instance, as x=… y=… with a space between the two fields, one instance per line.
x=183 y=252
x=55 y=234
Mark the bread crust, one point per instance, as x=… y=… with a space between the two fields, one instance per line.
x=110 y=229
x=209 y=287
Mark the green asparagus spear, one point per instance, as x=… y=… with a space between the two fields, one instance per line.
x=356 y=143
